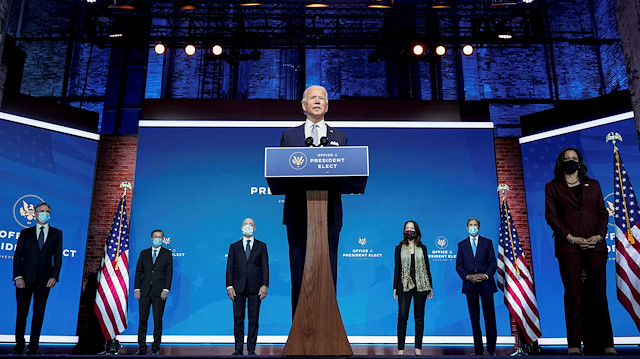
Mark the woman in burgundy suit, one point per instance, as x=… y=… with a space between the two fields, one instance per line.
x=575 y=211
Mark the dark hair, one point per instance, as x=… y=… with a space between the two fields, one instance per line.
x=418 y=242
x=558 y=173
x=157 y=230
x=40 y=205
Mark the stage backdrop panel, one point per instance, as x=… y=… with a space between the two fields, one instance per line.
x=539 y=153
x=199 y=183
x=43 y=162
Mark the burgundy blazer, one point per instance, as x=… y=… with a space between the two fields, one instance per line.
x=566 y=215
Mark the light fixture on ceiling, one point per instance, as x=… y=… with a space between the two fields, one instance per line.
x=216 y=50
x=418 y=50
x=249 y=3
x=159 y=48
x=441 y=50
x=467 y=49
x=440 y=4
x=316 y=5
x=190 y=49
x=380 y=4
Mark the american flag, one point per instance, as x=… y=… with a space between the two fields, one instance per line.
x=627 y=236
x=113 y=279
x=514 y=278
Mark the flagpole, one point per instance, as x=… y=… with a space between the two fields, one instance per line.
x=613 y=136
x=126 y=185
x=503 y=188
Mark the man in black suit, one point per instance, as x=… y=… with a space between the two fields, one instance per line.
x=36 y=269
x=154 y=272
x=315 y=104
x=476 y=265
x=247 y=281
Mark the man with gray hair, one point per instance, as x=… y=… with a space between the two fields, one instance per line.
x=315 y=104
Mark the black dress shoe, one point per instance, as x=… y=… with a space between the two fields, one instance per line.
x=15 y=352
x=251 y=352
x=33 y=352
x=237 y=352
x=155 y=351
x=141 y=351
x=492 y=354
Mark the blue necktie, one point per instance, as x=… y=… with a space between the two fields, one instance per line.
x=474 y=246
x=155 y=255
x=248 y=249
x=41 y=238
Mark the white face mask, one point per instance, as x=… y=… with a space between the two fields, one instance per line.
x=247 y=230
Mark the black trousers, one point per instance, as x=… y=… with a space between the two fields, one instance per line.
x=404 y=302
x=575 y=297
x=40 y=293
x=297 y=236
x=489 y=311
x=251 y=301
x=144 y=306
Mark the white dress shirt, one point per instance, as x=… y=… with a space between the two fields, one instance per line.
x=322 y=129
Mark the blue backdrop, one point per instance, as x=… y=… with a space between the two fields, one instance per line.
x=38 y=165
x=198 y=184
x=538 y=159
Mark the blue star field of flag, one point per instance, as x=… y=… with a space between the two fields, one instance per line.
x=118 y=230
x=505 y=239
x=623 y=186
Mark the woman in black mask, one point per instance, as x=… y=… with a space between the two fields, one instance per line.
x=575 y=211
x=411 y=279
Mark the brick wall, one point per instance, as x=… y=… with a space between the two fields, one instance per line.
x=509 y=167
x=115 y=164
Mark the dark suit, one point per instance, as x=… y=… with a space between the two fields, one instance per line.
x=151 y=278
x=295 y=215
x=36 y=266
x=484 y=262
x=246 y=276
x=566 y=215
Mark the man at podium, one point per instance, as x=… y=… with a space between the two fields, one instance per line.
x=314 y=132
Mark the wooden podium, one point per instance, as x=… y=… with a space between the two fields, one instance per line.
x=317 y=327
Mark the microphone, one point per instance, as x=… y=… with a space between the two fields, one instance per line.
x=308 y=141
x=324 y=141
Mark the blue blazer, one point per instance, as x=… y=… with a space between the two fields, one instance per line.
x=484 y=262
x=295 y=201
x=249 y=274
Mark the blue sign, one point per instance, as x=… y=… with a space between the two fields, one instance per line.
x=40 y=165
x=538 y=161
x=198 y=184
x=316 y=161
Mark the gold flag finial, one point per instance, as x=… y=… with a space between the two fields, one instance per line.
x=613 y=137
x=126 y=185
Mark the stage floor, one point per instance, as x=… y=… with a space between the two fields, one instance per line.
x=225 y=350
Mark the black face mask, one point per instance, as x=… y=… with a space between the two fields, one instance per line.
x=410 y=235
x=570 y=167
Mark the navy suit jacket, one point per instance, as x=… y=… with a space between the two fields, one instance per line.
x=34 y=264
x=295 y=201
x=248 y=274
x=484 y=262
x=154 y=277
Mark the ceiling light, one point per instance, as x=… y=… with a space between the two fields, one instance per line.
x=216 y=50
x=467 y=49
x=418 y=50
x=159 y=49
x=316 y=5
x=441 y=50
x=189 y=49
